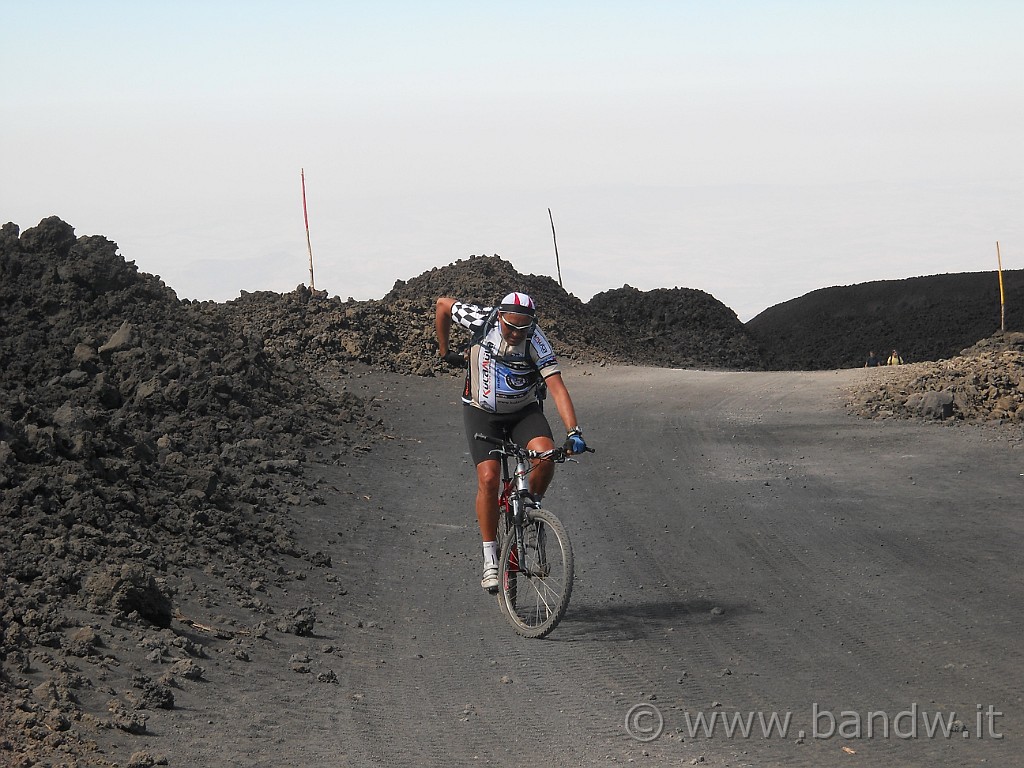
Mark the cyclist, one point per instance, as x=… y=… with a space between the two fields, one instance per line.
x=511 y=364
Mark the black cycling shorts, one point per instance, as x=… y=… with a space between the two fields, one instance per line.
x=522 y=426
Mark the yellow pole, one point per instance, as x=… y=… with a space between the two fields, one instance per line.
x=1002 y=296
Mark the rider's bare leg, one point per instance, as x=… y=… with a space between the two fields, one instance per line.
x=488 y=475
x=543 y=471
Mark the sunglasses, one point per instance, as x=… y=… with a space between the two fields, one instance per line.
x=528 y=327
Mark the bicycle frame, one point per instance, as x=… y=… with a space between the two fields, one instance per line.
x=534 y=588
x=513 y=499
x=514 y=493
x=515 y=488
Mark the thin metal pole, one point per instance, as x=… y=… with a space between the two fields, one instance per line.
x=554 y=239
x=305 y=216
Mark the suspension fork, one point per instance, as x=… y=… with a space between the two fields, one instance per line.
x=520 y=489
x=515 y=490
x=522 y=484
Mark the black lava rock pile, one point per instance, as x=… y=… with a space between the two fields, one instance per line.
x=140 y=437
x=982 y=385
x=677 y=327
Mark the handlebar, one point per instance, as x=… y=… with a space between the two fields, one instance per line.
x=514 y=449
x=556 y=454
x=488 y=439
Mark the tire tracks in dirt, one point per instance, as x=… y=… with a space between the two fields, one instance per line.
x=742 y=545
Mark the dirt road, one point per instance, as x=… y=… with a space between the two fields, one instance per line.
x=743 y=547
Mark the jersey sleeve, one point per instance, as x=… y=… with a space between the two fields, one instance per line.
x=543 y=355
x=470 y=316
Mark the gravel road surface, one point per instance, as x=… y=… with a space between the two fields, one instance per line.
x=744 y=547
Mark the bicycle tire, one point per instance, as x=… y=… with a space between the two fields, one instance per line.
x=535 y=585
x=504 y=533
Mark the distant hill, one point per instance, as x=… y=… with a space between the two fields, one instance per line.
x=925 y=318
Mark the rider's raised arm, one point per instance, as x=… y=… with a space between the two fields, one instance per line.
x=563 y=402
x=443 y=323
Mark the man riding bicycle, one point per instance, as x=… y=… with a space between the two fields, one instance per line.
x=510 y=363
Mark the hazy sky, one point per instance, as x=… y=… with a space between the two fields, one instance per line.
x=753 y=150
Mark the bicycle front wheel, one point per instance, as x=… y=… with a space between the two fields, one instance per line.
x=535 y=580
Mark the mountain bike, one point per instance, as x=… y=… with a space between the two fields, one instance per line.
x=535 y=563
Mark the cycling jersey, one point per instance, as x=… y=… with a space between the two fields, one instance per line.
x=502 y=378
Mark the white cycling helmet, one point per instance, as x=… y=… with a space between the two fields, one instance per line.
x=518 y=303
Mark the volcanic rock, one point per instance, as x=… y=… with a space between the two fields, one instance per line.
x=679 y=327
x=136 y=436
x=984 y=384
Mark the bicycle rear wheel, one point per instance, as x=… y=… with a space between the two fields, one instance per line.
x=535 y=584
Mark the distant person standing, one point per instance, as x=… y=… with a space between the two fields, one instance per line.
x=895 y=359
x=872 y=360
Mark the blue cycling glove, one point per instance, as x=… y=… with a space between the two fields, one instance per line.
x=574 y=442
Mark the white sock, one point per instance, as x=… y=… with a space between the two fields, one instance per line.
x=490 y=553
